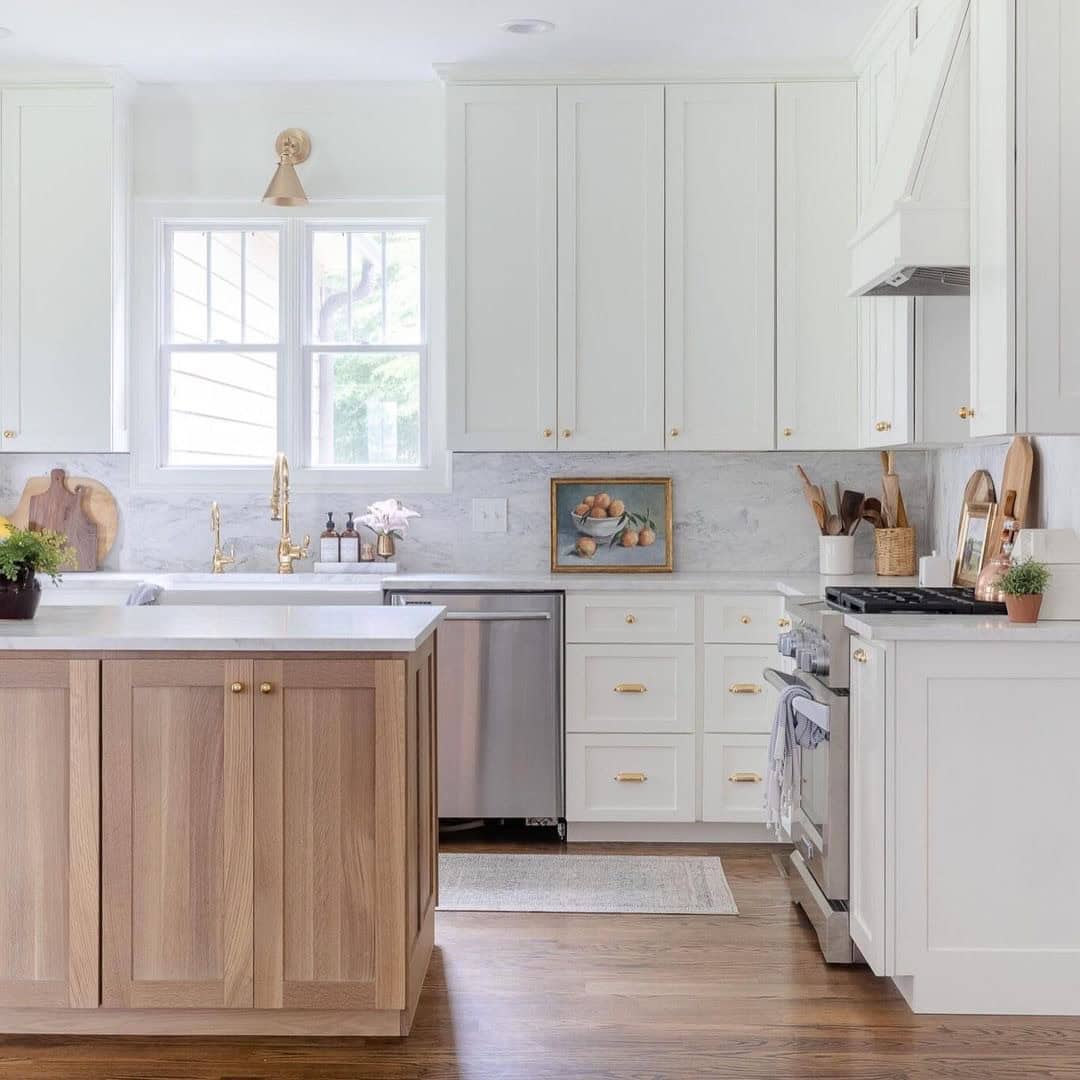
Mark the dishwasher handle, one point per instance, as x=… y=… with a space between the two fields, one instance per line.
x=497 y=616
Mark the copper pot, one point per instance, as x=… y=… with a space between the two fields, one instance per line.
x=1023 y=609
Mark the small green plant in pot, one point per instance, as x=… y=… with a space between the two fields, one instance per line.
x=1023 y=585
x=24 y=555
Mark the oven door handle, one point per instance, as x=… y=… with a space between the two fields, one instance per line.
x=780 y=680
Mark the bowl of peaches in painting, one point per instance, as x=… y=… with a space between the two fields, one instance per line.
x=614 y=525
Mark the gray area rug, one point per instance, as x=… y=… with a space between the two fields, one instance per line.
x=629 y=884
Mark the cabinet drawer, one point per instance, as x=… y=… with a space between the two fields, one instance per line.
x=646 y=688
x=752 y=618
x=733 y=777
x=737 y=697
x=647 y=617
x=630 y=777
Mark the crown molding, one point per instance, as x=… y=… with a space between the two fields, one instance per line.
x=773 y=71
x=66 y=75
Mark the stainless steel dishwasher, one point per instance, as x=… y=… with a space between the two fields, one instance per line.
x=500 y=701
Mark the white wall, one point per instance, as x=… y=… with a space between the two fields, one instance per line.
x=216 y=141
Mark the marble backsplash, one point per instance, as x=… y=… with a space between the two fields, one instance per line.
x=1056 y=486
x=733 y=512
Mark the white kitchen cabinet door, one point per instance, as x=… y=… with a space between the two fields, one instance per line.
x=611 y=267
x=942 y=369
x=817 y=332
x=720 y=265
x=733 y=777
x=60 y=260
x=501 y=193
x=1048 y=215
x=887 y=368
x=992 y=404
x=866 y=904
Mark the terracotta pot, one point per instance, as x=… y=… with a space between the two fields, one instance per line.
x=19 y=599
x=1023 y=609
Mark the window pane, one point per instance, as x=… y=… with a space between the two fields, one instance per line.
x=225 y=287
x=234 y=276
x=188 y=284
x=261 y=284
x=403 y=287
x=222 y=408
x=365 y=408
x=366 y=287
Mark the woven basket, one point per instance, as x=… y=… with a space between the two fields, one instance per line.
x=894 y=552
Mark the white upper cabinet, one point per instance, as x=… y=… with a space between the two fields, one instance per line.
x=611 y=267
x=62 y=237
x=501 y=179
x=817 y=333
x=1025 y=355
x=720 y=267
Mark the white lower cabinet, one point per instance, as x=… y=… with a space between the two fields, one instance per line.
x=624 y=688
x=629 y=777
x=733 y=777
x=866 y=903
x=737 y=698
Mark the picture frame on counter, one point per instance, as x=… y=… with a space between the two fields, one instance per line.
x=971 y=546
x=614 y=525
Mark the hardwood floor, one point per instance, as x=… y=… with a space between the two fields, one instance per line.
x=597 y=997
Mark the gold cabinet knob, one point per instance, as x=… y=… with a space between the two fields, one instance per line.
x=631 y=777
x=631 y=618
x=860 y=656
x=788 y=432
x=9 y=434
x=674 y=432
x=745 y=778
x=547 y=433
x=265 y=688
x=965 y=412
x=565 y=433
x=744 y=688
x=784 y=624
x=883 y=425
x=237 y=688
x=745 y=620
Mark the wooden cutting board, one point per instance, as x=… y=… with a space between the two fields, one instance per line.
x=1015 y=493
x=97 y=504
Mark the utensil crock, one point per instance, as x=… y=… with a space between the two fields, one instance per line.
x=836 y=555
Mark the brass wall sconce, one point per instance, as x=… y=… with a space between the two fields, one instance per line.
x=293 y=146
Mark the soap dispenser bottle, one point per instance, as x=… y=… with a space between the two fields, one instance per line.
x=350 y=542
x=329 y=542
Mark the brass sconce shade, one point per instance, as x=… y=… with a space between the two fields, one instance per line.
x=293 y=146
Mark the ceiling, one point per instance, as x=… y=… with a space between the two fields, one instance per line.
x=196 y=40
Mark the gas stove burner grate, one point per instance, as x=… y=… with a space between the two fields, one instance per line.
x=877 y=600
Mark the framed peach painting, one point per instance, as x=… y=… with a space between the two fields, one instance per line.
x=611 y=525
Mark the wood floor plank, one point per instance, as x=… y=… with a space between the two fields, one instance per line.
x=617 y=997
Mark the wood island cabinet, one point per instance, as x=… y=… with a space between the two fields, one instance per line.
x=268 y=843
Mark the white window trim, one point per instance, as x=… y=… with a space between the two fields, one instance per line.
x=149 y=398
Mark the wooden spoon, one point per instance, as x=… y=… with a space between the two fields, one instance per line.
x=851 y=503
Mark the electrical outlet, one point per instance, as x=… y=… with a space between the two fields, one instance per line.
x=489 y=515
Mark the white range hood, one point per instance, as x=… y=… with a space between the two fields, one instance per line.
x=913 y=235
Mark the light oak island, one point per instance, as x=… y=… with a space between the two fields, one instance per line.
x=217 y=821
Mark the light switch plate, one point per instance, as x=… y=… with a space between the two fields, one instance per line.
x=489 y=515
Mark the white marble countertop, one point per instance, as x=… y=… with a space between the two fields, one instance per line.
x=225 y=628
x=959 y=628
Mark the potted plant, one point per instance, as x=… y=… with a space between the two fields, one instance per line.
x=23 y=555
x=389 y=521
x=1023 y=585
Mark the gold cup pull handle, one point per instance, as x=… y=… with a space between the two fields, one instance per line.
x=631 y=777
x=745 y=778
x=744 y=688
x=630 y=688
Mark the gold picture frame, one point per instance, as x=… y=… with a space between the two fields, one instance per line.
x=975 y=525
x=638 y=539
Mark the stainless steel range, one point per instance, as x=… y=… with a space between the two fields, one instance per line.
x=818 y=867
